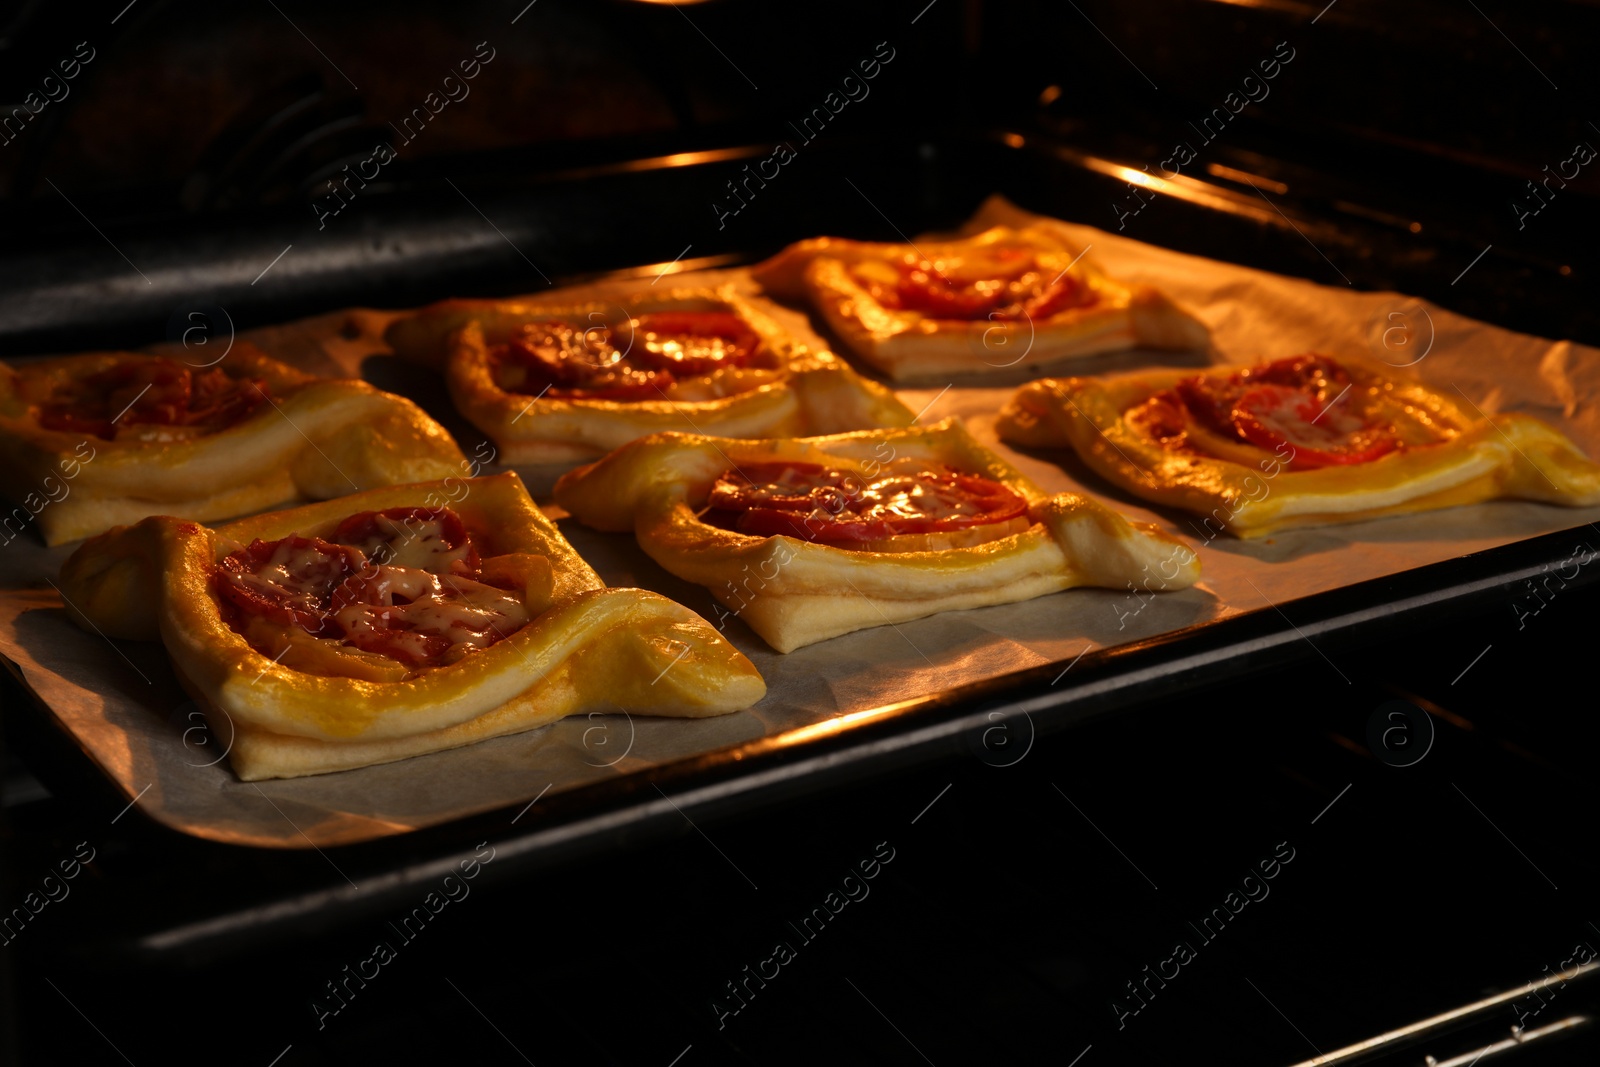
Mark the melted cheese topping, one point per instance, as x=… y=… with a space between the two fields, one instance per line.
x=294 y=569
x=411 y=602
x=327 y=608
x=418 y=543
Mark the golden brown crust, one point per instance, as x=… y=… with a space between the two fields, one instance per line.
x=592 y=647
x=1503 y=456
x=909 y=346
x=314 y=439
x=789 y=390
x=794 y=593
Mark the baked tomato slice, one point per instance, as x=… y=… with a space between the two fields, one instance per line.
x=367 y=611
x=62 y=418
x=429 y=539
x=924 y=290
x=290 y=581
x=400 y=585
x=687 y=343
x=411 y=647
x=1006 y=284
x=1063 y=293
x=841 y=507
x=220 y=401
x=562 y=362
x=417 y=617
x=1319 y=435
x=151 y=391
x=154 y=391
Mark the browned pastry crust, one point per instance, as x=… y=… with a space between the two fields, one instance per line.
x=909 y=345
x=314 y=438
x=806 y=592
x=304 y=712
x=789 y=390
x=1246 y=495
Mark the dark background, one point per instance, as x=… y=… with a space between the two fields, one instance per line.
x=190 y=152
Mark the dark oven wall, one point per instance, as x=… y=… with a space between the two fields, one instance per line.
x=1408 y=139
x=1412 y=136
x=181 y=108
x=154 y=150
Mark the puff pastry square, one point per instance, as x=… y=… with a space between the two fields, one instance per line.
x=1305 y=441
x=96 y=440
x=1005 y=298
x=794 y=591
x=760 y=383
x=395 y=622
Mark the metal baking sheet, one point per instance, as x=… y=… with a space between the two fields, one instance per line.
x=121 y=706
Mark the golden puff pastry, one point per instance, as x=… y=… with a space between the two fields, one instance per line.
x=395 y=622
x=100 y=439
x=1305 y=441
x=561 y=384
x=1001 y=299
x=932 y=520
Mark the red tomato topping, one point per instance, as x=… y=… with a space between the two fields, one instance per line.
x=817 y=503
x=923 y=289
x=369 y=610
x=60 y=417
x=1062 y=294
x=362 y=611
x=411 y=647
x=432 y=539
x=291 y=581
x=1295 y=405
x=1275 y=415
x=416 y=617
x=687 y=343
x=416 y=614
x=1030 y=293
x=563 y=362
x=153 y=391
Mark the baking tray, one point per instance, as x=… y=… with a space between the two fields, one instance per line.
x=1161 y=652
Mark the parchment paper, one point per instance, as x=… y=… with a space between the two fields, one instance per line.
x=122 y=704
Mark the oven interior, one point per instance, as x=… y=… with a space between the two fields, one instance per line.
x=1032 y=909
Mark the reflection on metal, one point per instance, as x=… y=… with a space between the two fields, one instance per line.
x=1244 y=177
x=676 y=159
x=1137 y=177
x=676 y=266
x=1405 y=1035
x=1382 y=217
x=1291 y=7
x=687 y=159
x=1183 y=188
x=831 y=726
x=1516 y=1040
